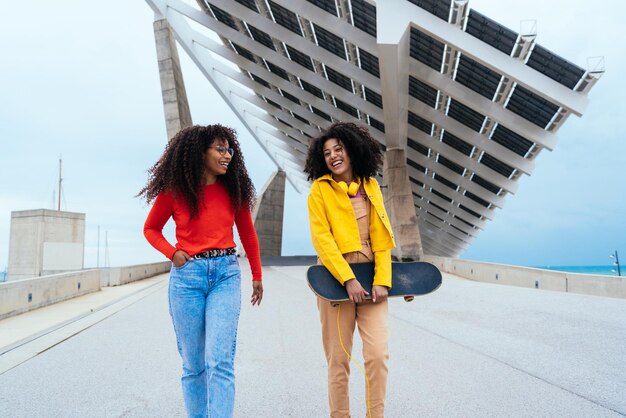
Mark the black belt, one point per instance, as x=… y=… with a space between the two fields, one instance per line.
x=217 y=252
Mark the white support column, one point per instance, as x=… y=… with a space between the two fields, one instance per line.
x=459 y=13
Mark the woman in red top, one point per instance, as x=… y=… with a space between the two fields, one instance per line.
x=202 y=183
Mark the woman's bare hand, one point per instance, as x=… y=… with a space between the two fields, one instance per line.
x=356 y=293
x=257 y=292
x=180 y=258
x=379 y=293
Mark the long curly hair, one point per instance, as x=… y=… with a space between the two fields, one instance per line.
x=365 y=153
x=180 y=169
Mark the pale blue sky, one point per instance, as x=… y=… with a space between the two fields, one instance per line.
x=83 y=82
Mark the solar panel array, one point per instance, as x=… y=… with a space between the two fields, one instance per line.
x=472 y=129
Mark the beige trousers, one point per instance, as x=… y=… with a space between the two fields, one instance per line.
x=371 y=319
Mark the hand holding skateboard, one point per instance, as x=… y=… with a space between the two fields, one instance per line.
x=407 y=279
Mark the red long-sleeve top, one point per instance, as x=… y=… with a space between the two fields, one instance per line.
x=212 y=228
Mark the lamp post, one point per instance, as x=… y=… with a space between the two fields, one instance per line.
x=616 y=263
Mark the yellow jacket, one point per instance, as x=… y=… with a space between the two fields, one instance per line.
x=334 y=229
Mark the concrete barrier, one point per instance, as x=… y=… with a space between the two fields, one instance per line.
x=116 y=276
x=23 y=295
x=588 y=284
x=19 y=296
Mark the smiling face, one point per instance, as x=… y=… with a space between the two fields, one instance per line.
x=337 y=160
x=216 y=162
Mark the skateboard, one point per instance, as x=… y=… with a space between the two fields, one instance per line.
x=408 y=279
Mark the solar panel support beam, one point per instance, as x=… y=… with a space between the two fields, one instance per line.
x=186 y=38
x=175 y=104
x=482 y=105
x=406 y=13
x=523 y=46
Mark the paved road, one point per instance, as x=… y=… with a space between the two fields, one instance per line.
x=468 y=350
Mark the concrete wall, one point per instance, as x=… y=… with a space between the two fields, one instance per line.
x=44 y=242
x=116 y=276
x=19 y=296
x=588 y=284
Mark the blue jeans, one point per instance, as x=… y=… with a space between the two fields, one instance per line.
x=205 y=301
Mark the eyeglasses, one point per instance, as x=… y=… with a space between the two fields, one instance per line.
x=223 y=150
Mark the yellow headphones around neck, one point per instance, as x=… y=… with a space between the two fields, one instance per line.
x=352 y=189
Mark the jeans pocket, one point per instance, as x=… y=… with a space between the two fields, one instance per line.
x=188 y=262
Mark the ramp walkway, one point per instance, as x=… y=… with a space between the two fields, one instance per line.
x=468 y=350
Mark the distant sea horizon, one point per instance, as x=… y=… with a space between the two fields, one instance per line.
x=603 y=270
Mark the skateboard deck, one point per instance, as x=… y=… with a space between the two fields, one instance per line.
x=407 y=279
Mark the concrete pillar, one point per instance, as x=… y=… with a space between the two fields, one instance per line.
x=44 y=241
x=175 y=105
x=394 y=83
x=268 y=215
x=400 y=206
x=393 y=44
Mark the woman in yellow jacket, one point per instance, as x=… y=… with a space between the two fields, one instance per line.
x=349 y=225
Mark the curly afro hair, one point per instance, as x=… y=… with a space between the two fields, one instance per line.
x=364 y=151
x=181 y=168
